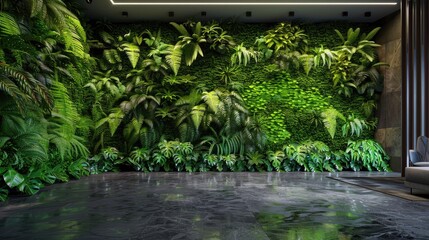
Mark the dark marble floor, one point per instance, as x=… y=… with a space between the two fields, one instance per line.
x=213 y=206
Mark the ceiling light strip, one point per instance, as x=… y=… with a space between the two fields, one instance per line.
x=255 y=3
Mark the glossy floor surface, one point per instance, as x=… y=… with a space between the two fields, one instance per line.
x=213 y=206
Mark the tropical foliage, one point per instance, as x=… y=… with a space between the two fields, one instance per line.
x=183 y=97
x=42 y=132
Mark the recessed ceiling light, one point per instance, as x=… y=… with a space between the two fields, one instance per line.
x=256 y=3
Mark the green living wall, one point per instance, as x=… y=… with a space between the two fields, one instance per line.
x=181 y=97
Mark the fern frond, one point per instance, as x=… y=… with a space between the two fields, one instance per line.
x=212 y=100
x=330 y=120
x=73 y=43
x=174 y=59
x=133 y=53
x=74 y=23
x=36 y=8
x=63 y=104
x=8 y=25
x=112 y=56
x=10 y=88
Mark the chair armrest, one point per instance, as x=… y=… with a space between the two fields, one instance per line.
x=414 y=156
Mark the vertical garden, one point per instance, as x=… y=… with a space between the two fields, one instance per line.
x=79 y=98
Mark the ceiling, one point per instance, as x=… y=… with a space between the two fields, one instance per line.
x=259 y=10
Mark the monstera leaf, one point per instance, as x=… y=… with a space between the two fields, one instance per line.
x=13 y=178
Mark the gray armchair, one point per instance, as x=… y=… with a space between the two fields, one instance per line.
x=417 y=175
x=419 y=157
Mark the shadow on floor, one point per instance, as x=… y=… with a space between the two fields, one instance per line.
x=389 y=185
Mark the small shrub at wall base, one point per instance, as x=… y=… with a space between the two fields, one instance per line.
x=306 y=156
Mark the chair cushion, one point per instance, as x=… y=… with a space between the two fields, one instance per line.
x=415 y=157
x=417 y=175
x=421 y=164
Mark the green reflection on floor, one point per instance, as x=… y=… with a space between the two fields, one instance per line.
x=276 y=227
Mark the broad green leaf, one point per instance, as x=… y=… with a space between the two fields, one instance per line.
x=372 y=33
x=13 y=178
x=180 y=28
x=30 y=186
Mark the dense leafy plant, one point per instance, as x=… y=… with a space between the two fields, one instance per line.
x=42 y=49
x=361 y=74
x=366 y=154
x=285 y=37
x=194 y=34
x=231 y=108
x=242 y=55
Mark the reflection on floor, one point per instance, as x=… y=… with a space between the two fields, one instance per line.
x=213 y=206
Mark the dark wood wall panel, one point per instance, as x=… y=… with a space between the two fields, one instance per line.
x=415 y=81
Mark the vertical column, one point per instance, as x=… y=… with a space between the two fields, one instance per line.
x=404 y=63
x=425 y=64
x=415 y=75
x=418 y=69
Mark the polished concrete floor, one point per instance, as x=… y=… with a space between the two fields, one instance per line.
x=213 y=206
